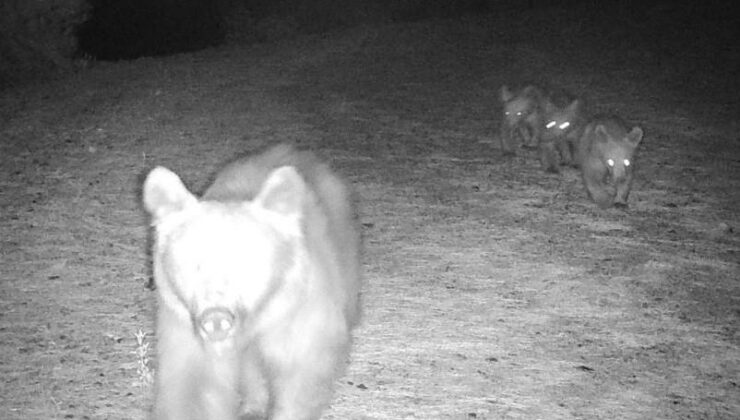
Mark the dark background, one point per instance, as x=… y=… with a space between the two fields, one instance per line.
x=39 y=36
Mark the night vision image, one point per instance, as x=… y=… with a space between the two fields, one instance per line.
x=369 y=210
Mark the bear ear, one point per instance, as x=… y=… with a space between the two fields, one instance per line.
x=549 y=106
x=283 y=192
x=600 y=131
x=505 y=94
x=575 y=105
x=532 y=91
x=635 y=136
x=165 y=194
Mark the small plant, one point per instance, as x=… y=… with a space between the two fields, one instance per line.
x=146 y=376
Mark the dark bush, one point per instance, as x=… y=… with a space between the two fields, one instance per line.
x=37 y=36
x=134 y=28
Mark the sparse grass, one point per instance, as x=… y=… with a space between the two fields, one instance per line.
x=144 y=354
x=493 y=291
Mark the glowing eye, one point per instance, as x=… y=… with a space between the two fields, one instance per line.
x=610 y=162
x=626 y=162
x=564 y=125
x=518 y=114
x=551 y=124
x=507 y=113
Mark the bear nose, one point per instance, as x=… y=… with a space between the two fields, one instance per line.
x=216 y=324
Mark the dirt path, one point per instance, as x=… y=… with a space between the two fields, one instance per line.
x=493 y=291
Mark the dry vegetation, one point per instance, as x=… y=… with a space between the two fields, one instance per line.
x=494 y=291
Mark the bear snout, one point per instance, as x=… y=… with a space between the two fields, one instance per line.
x=216 y=324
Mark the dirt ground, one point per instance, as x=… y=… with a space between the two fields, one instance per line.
x=493 y=290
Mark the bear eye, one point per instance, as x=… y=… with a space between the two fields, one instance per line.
x=551 y=124
x=565 y=125
x=626 y=162
x=610 y=162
